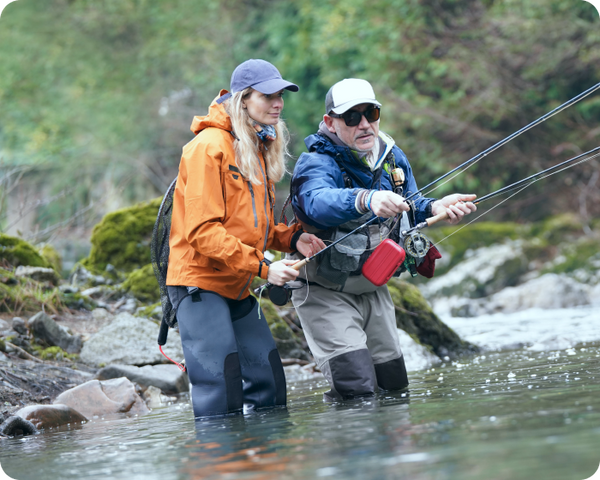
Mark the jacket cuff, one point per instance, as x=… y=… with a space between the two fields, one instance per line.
x=295 y=238
x=263 y=268
x=428 y=208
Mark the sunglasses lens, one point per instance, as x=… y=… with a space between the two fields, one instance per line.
x=372 y=114
x=353 y=117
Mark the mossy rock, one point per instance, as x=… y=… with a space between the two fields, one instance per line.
x=457 y=240
x=415 y=316
x=142 y=284
x=2 y=346
x=15 y=251
x=77 y=301
x=51 y=255
x=583 y=254
x=122 y=238
x=288 y=345
x=557 y=229
x=152 y=312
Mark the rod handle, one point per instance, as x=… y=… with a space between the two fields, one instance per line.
x=440 y=216
x=298 y=265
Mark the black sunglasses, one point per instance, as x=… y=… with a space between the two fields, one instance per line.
x=353 y=117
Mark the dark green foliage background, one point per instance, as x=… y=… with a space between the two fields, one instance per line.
x=97 y=95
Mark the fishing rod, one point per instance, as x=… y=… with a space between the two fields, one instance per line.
x=495 y=147
x=416 y=244
x=298 y=265
x=536 y=176
x=532 y=178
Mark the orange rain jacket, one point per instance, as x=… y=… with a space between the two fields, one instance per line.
x=221 y=223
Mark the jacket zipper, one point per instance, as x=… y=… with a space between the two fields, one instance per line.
x=266 y=184
x=253 y=205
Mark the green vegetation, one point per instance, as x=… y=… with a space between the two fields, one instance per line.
x=583 y=254
x=51 y=256
x=53 y=353
x=98 y=96
x=142 y=284
x=122 y=238
x=458 y=240
x=15 y=251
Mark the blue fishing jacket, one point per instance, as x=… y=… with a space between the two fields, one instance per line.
x=320 y=197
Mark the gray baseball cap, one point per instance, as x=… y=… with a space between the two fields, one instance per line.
x=261 y=76
x=347 y=94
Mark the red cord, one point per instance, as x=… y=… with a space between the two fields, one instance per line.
x=179 y=365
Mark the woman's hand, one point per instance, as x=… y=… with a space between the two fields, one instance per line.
x=456 y=206
x=309 y=244
x=280 y=272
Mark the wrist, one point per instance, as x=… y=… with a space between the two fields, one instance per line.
x=429 y=208
x=263 y=268
x=294 y=241
x=359 y=203
x=369 y=199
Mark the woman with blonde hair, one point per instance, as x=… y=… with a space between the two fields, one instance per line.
x=221 y=225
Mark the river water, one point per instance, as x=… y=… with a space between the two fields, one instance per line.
x=528 y=413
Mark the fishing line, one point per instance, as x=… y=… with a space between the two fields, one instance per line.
x=534 y=180
x=462 y=167
x=537 y=176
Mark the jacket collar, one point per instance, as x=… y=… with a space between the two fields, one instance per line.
x=328 y=143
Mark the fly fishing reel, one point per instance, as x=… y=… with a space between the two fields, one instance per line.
x=417 y=245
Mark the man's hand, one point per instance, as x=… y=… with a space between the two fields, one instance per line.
x=386 y=204
x=280 y=272
x=457 y=206
x=309 y=244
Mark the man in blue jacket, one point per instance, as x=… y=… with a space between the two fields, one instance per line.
x=342 y=181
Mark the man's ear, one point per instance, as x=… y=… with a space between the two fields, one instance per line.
x=329 y=123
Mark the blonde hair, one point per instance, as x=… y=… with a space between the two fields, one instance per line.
x=248 y=144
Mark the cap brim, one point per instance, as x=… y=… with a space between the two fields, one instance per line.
x=273 y=86
x=344 y=107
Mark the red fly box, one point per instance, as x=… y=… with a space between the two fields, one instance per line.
x=383 y=262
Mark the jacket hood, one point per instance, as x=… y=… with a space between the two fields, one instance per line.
x=217 y=117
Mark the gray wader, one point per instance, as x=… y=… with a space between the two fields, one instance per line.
x=230 y=354
x=353 y=337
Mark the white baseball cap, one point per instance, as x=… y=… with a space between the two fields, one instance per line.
x=347 y=94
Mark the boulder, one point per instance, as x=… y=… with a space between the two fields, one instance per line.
x=16 y=251
x=47 y=331
x=98 y=398
x=481 y=272
x=547 y=291
x=50 y=416
x=155 y=398
x=19 y=326
x=168 y=378
x=14 y=426
x=416 y=356
x=416 y=317
x=142 y=284
x=39 y=274
x=122 y=238
x=129 y=340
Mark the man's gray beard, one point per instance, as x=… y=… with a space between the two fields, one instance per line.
x=372 y=155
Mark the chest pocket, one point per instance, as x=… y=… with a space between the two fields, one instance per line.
x=345 y=258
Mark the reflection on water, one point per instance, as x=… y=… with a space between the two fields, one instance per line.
x=517 y=415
